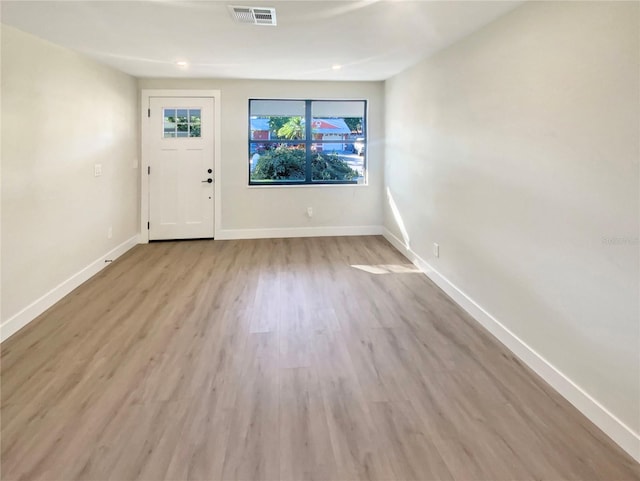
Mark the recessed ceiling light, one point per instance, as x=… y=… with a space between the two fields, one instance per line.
x=336 y=67
x=182 y=64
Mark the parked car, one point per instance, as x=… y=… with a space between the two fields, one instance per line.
x=358 y=146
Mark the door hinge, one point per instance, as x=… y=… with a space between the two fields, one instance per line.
x=148 y=224
x=148 y=112
x=148 y=170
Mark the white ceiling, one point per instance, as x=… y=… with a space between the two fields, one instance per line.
x=371 y=40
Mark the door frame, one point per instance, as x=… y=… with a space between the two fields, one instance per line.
x=145 y=152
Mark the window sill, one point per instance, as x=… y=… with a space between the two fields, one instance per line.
x=305 y=186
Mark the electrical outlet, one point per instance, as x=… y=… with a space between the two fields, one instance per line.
x=109 y=232
x=97 y=170
x=310 y=211
x=436 y=250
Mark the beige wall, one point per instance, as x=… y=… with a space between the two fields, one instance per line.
x=61 y=114
x=517 y=151
x=246 y=207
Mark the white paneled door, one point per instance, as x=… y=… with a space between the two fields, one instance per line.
x=181 y=161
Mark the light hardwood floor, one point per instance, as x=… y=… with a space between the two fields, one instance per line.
x=282 y=359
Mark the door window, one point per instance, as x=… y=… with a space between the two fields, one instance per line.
x=181 y=122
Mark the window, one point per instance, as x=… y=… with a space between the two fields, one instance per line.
x=181 y=123
x=307 y=142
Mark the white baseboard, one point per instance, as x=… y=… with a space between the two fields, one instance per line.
x=37 y=307
x=228 y=234
x=619 y=432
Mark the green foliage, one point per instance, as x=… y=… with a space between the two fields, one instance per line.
x=292 y=130
x=286 y=163
x=331 y=167
x=276 y=123
x=281 y=163
x=195 y=130
x=354 y=123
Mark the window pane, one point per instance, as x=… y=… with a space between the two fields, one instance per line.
x=194 y=130
x=277 y=119
x=277 y=162
x=330 y=162
x=277 y=128
x=169 y=115
x=182 y=115
x=183 y=134
x=334 y=118
x=342 y=124
x=194 y=116
x=282 y=108
x=338 y=108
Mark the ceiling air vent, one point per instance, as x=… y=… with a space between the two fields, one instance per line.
x=254 y=15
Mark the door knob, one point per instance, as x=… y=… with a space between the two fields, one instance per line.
x=209 y=180
x=209 y=171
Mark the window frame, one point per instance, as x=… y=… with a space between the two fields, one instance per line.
x=308 y=141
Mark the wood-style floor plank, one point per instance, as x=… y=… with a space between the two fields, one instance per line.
x=280 y=359
x=306 y=451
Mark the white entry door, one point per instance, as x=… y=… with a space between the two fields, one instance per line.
x=181 y=176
